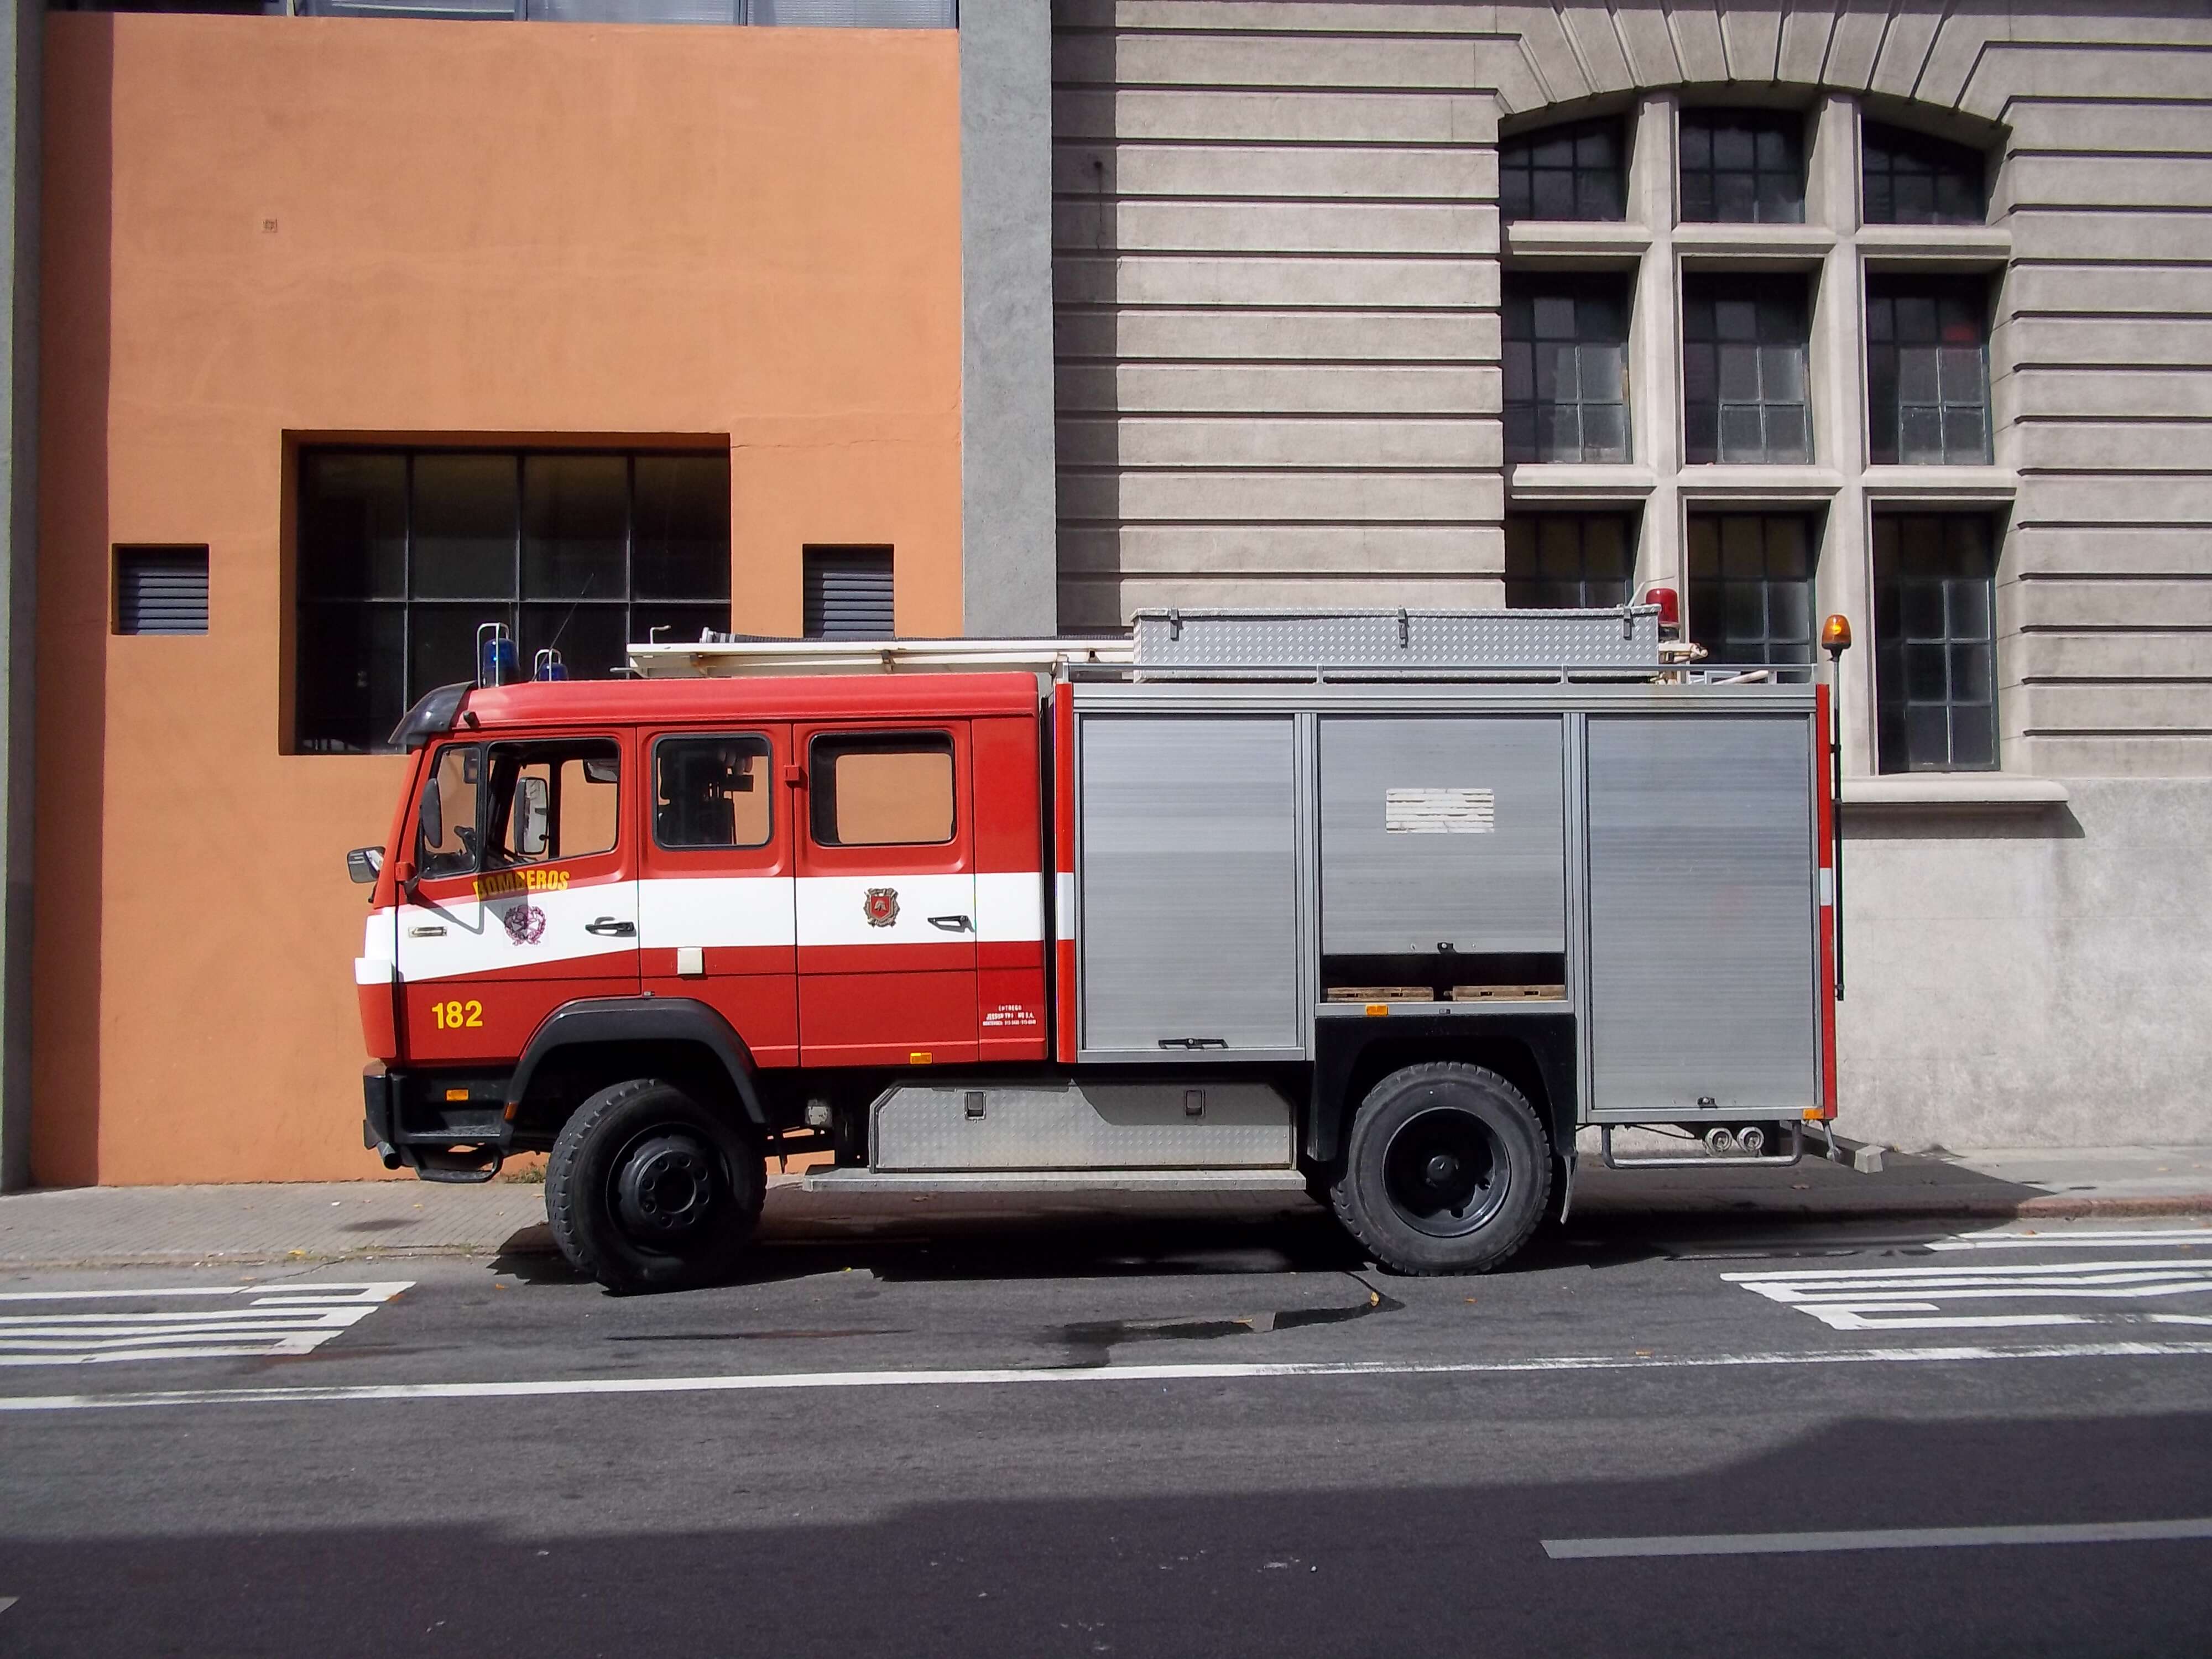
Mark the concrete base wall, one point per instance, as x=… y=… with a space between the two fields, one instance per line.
x=2030 y=978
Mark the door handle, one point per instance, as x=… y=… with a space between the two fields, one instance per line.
x=951 y=924
x=608 y=927
x=1193 y=1043
x=431 y=932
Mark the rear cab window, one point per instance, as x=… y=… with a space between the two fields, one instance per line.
x=881 y=789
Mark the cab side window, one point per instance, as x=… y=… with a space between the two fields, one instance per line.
x=445 y=816
x=553 y=800
x=881 y=789
x=710 y=791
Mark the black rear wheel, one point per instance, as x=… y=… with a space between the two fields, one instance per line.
x=647 y=1189
x=1447 y=1171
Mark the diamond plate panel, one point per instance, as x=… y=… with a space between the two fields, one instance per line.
x=1398 y=639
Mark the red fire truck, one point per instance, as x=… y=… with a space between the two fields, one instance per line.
x=1384 y=905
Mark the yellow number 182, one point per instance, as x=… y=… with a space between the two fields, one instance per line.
x=453 y=1016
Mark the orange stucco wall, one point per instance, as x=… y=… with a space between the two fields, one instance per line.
x=261 y=228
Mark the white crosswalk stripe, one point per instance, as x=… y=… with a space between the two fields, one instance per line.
x=213 y=1321
x=1985 y=1296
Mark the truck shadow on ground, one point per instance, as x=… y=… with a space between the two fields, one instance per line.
x=1619 y=1219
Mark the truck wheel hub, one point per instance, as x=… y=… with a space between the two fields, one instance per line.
x=1443 y=1174
x=666 y=1187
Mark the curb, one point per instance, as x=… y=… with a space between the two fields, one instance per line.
x=2053 y=1207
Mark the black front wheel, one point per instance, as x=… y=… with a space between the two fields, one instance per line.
x=647 y=1189
x=1447 y=1171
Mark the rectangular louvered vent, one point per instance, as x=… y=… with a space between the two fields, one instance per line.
x=848 y=593
x=161 y=590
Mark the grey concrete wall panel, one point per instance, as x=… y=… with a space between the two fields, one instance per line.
x=1006 y=498
x=1269 y=239
x=1701 y=950
x=1388 y=890
x=1091 y=1126
x=18 y=449
x=1187 y=870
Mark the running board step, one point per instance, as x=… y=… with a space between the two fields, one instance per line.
x=1055 y=1181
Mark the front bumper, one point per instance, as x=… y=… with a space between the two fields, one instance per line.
x=443 y=1127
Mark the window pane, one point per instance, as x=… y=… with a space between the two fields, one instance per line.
x=1751 y=591
x=1565 y=357
x=352 y=675
x=575 y=520
x=464 y=526
x=676 y=623
x=1933 y=658
x=592 y=638
x=880 y=791
x=711 y=792
x=1913 y=179
x=1563 y=173
x=445 y=814
x=442 y=644
x=353 y=527
x=552 y=801
x=1568 y=559
x=1743 y=166
x=683 y=527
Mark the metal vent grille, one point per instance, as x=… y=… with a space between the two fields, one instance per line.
x=848 y=593
x=161 y=590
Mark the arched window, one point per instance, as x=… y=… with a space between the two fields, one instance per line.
x=1576 y=171
x=1911 y=178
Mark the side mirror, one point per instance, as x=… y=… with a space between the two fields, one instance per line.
x=430 y=814
x=533 y=817
x=363 y=863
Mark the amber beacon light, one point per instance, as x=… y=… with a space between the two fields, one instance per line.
x=1836 y=635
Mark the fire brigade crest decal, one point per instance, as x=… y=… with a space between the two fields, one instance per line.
x=525 y=924
x=880 y=906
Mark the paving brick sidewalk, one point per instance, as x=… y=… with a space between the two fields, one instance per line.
x=330 y=1221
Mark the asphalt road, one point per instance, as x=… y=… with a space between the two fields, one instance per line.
x=1141 y=1434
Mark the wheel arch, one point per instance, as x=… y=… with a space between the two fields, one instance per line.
x=1534 y=1052
x=590 y=1044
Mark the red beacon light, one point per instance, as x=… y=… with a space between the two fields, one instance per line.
x=1670 y=606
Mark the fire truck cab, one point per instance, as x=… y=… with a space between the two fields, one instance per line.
x=1384 y=906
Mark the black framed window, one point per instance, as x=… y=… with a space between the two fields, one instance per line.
x=1576 y=171
x=881 y=789
x=712 y=792
x=1563 y=561
x=1911 y=179
x=1744 y=370
x=403 y=554
x=1566 y=367
x=1934 y=600
x=1751 y=586
x=1743 y=166
x=1928 y=371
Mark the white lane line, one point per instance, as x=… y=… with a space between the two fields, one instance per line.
x=6 y=1602
x=2106 y=1239
x=1893 y=1538
x=789 y=1380
x=255 y=1321
x=1914 y=1299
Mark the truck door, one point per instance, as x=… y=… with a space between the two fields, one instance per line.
x=886 y=897
x=714 y=902
x=525 y=896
